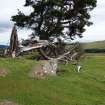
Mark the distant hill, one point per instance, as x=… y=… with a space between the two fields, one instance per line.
x=89 y=45
x=94 y=45
x=3 y=46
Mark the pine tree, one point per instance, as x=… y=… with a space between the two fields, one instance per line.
x=54 y=18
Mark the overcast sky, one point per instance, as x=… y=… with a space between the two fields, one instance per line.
x=9 y=8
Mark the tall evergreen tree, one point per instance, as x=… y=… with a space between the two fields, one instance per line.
x=53 y=18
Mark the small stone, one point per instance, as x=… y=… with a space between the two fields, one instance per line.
x=3 y=72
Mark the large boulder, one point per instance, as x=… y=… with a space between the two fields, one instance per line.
x=45 y=68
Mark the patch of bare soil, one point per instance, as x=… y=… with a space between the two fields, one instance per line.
x=3 y=72
x=7 y=103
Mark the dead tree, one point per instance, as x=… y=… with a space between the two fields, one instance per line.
x=13 y=42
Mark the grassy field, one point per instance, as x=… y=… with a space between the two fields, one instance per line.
x=70 y=88
x=95 y=45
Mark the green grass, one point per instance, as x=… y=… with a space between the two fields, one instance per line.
x=70 y=88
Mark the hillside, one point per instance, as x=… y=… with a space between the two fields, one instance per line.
x=3 y=46
x=69 y=88
x=94 y=45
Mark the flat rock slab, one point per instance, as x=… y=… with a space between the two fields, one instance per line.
x=7 y=103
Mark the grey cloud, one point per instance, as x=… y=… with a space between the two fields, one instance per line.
x=4 y=26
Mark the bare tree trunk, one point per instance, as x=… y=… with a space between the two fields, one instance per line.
x=13 y=42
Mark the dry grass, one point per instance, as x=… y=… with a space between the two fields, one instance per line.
x=7 y=103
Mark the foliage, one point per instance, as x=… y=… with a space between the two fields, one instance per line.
x=53 y=18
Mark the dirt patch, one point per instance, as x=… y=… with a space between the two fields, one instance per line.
x=3 y=72
x=7 y=103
